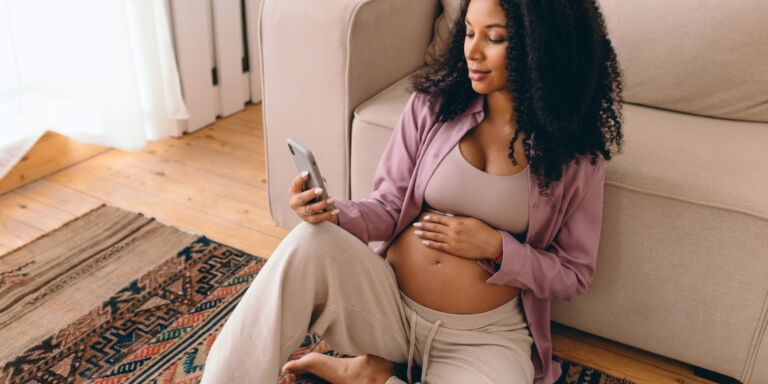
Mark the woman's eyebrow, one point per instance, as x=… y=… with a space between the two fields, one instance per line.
x=489 y=26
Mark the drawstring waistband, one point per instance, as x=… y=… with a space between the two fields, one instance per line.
x=508 y=313
x=412 y=345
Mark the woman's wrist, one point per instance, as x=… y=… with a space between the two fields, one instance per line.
x=498 y=257
x=500 y=245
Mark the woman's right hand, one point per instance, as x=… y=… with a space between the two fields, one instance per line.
x=313 y=213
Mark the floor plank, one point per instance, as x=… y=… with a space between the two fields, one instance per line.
x=676 y=372
x=181 y=193
x=51 y=153
x=232 y=152
x=32 y=212
x=14 y=234
x=226 y=137
x=577 y=347
x=58 y=196
x=255 y=196
x=216 y=162
x=167 y=212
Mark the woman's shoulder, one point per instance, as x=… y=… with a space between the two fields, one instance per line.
x=421 y=101
x=595 y=170
x=581 y=170
x=420 y=107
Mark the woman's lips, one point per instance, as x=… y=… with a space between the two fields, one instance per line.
x=477 y=75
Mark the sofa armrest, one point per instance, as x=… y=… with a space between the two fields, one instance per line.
x=318 y=64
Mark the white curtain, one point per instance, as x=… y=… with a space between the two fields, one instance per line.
x=99 y=71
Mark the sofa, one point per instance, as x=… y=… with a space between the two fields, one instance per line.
x=683 y=261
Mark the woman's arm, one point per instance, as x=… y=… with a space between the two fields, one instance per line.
x=564 y=270
x=374 y=218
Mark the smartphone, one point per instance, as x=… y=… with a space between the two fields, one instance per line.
x=305 y=161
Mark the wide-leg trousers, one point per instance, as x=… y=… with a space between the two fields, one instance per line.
x=324 y=280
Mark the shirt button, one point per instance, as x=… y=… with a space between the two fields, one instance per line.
x=535 y=205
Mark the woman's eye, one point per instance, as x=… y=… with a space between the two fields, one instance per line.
x=491 y=40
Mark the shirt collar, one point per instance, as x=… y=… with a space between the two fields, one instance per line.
x=476 y=109
x=476 y=105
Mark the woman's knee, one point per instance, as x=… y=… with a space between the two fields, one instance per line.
x=313 y=234
x=308 y=243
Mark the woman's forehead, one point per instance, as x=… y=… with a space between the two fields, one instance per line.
x=485 y=14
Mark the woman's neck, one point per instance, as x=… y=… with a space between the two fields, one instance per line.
x=500 y=112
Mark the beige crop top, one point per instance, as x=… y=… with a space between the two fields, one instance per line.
x=459 y=188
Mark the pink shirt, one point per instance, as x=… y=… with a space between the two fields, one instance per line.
x=557 y=258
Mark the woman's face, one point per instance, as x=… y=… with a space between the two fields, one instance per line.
x=485 y=45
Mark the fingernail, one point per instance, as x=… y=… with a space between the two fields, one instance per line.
x=417 y=225
x=426 y=217
x=418 y=232
x=304 y=173
x=425 y=242
x=331 y=200
x=335 y=212
x=318 y=191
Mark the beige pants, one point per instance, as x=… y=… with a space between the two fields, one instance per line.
x=324 y=280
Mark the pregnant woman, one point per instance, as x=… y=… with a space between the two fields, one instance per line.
x=482 y=225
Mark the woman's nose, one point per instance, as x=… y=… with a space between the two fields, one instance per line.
x=473 y=50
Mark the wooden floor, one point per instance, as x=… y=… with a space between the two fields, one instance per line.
x=213 y=182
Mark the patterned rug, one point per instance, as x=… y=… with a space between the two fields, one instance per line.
x=157 y=327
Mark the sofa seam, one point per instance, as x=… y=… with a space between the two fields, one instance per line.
x=347 y=107
x=380 y=125
x=260 y=38
x=757 y=338
x=691 y=114
x=687 y=200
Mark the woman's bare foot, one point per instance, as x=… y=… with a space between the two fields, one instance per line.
x=366 y=369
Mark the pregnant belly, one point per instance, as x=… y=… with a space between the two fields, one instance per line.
x=442 y=281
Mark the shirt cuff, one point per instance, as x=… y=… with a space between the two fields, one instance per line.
x=511 y=263
x=488 y=265
x=350 y=218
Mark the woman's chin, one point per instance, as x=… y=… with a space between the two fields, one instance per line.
x=486 y=90
x=479 y=87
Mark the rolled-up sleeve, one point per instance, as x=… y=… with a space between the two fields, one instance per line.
x=565 y=269
x=374 y=218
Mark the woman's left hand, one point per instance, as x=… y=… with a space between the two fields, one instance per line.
x=461 y=236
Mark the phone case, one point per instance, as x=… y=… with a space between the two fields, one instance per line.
x=305 y=161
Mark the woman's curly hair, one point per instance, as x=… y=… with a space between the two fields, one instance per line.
x=563 y=77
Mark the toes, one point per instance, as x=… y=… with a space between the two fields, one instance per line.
x=288 y=367
x=324 y=366
x=308 y=362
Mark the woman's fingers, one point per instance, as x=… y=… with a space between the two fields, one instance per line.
x=431 y=226
x=319 y=207
x=298 y=183
x=323 y=216
x=309 y=195
x=434 y=236
x=322 y=205
x=302 y=205
x=303 y=198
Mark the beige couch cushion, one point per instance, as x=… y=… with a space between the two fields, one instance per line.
x=713 y=162
x=704 y=57
x=442 y=33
